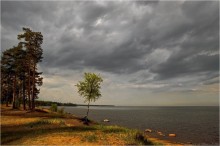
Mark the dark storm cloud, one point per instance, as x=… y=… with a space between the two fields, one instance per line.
x=16 y=14
x=199 y=52
x=175 y=67
x=141 y=3
x=124 y=59
x=120 y=37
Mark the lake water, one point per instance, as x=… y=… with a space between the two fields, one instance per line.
x=198 y=125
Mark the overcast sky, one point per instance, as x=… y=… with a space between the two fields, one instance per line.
x=148 y=53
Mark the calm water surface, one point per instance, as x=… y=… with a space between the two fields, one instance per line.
x=199 y=125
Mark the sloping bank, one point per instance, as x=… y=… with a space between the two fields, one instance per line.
x=43 y=127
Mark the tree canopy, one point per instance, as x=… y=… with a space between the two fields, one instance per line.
x=90 y=87
x=20 y=77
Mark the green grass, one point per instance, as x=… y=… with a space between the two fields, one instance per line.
x=131 y=136
x=89 y=138
x=46 y=122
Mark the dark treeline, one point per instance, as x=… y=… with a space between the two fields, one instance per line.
x=49 y=103
x=20 y=77
x=95 y=105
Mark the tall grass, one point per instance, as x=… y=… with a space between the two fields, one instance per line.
x=53 y=107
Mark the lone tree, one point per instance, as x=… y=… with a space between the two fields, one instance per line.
x=90 y=88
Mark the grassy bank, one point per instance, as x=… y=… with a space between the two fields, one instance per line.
x=44 y=127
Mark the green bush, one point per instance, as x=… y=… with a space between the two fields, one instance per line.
x=61 y=111
x=53 y=107
x=140 y=137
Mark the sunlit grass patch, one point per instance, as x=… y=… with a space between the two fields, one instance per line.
x=56 y=121
x=114 y=129
x=54 y=138
x=46 y=122
x=111 y=128
x=8 y=120
x=89 y=138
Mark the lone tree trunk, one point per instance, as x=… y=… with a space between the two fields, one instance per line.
x=87 y=114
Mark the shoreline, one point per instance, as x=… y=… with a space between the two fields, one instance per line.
x=66 y=124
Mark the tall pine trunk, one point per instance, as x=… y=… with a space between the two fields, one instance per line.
x=33 y=87
x=14 y=93
x=7 y=99
x=23 y=94
x=29 y=85
x=19 y=96
x=8 y=84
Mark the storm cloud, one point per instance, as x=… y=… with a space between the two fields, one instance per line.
x=142 y=48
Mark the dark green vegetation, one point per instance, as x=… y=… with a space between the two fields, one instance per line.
x=89 y=88
x=49 y=103
x=20 y=78
x=53 y=108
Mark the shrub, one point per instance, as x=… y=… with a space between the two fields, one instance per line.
x=53 y=107
x=114 y=129
x=140 y=137
x=61 y=111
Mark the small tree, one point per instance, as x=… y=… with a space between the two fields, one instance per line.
x=90 y=88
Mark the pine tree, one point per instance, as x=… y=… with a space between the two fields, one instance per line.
x=19 y=75
x=32 y=42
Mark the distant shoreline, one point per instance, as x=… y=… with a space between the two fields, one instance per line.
x=96 y=105
x=48 y=103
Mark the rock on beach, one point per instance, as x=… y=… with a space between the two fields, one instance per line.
x=172 y=135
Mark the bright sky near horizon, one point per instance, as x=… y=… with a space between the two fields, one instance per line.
x=156 y=53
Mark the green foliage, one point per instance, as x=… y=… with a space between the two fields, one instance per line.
x=90 y=87
x=61 y=111
x=32 y=41
x=53 y=107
